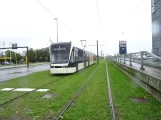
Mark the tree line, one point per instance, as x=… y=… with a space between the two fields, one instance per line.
x=34 y=55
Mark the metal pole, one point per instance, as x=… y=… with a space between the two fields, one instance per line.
x=120 y=59
x=10 y=52
x=10 y=56
x=83 y=50
x=4 y=58
x=142 y=67
x=130 y=60
x=117 y=58
x=97 y=53
x=124 y=59
x=16 y=57
x=57 y=30
x=83 y=58
x=57 y=27
x=4 y=53
x=27 y=57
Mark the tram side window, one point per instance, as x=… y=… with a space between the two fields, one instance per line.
x=72 y=60
x=75 y=51
x=85 y=56
x=80 y=55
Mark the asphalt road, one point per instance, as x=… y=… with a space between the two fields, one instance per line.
x=7 y=74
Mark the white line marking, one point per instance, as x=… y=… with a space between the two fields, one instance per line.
x=42 y=90
x=23 y=89
x=7 y=89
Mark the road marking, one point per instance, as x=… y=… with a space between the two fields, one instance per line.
x=42 y=90
x=24 y=89
x=7 y=89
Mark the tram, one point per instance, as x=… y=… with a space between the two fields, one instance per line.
x=66 y=59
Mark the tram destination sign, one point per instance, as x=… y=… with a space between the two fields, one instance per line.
x=59 y=49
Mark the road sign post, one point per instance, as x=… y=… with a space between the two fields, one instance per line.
x=97 y=53
x=14 y=46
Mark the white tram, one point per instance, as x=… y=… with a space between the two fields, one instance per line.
x=66 y=58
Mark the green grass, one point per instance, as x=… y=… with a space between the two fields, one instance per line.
x=33 y=106
x=92 y=103
x=31 y=81
x=122 y=89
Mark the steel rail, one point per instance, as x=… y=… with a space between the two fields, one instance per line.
x=110 y=96
x=17 y=97
x=20 y=96
x=76 y=95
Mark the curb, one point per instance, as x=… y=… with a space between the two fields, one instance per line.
x=30 y=65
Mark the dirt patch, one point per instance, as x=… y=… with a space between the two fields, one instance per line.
x=49 y=96
x=139 y=100
x=119 y=115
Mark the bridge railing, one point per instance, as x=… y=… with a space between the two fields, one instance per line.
x=143 y=58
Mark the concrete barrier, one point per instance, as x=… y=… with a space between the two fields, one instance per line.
x=148 y=82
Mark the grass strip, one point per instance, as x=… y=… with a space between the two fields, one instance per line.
x=34 y=80
x=34 y=106
x=92 y=103
x=123 y=88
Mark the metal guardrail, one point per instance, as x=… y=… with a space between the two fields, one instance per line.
x=143 y=58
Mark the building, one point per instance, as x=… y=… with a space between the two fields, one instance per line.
x=156 y=25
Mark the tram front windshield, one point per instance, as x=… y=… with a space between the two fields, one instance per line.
x=60 y=53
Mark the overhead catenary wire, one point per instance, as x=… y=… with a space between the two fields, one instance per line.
x=136 y=8
x=128 y=17
x=98 y=13
x=148 y=8
x=46 y=9
x=53 y=14
x=98 y=45
x=144 y=11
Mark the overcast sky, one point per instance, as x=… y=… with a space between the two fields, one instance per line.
x=27 y=23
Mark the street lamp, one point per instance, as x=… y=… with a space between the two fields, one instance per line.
x=57 y=27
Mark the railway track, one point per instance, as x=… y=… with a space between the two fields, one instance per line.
x=76 y=95
x=112 y=109
x=110 y=96
x=67 y=106
x=27 y=93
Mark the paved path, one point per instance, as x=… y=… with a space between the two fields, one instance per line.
x=21 y=65
x=150 y=70
x=7 y=74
